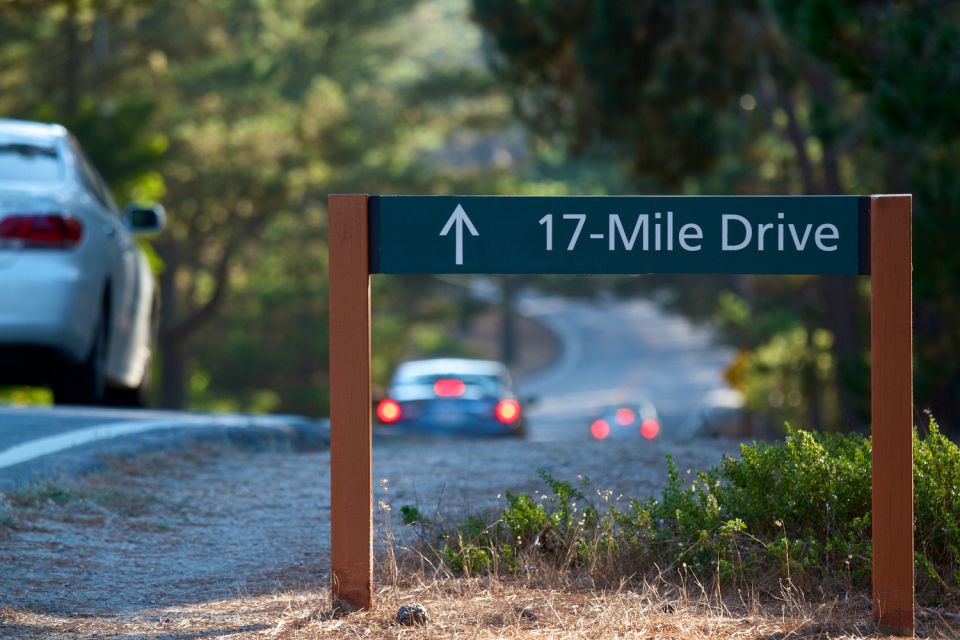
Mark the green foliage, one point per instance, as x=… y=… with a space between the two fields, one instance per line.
x=797 y=510
x=789 y=96
x=559 y=527
x=936 y=462
x=783 y=375
x=242 y=118
x=410 y=515
x=476 y=547
x=26 y=396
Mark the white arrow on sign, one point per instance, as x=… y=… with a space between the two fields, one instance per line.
x=459 y=217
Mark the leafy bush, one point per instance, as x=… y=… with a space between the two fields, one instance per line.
x=561 y=530
x=936 y=509
x=799 y=510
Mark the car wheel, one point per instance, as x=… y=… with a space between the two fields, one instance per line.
x=138 y=397
x=133 y=398
x=85 y=383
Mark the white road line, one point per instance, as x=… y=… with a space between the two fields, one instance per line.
x=52 y=444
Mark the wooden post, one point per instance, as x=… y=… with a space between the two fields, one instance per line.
x=891 y=348
x=351 y=479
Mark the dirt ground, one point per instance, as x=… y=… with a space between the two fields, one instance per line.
x=224 y=543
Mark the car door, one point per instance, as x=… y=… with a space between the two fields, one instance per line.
x=121 y=259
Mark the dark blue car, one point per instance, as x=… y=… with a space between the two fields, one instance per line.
x=451 y=396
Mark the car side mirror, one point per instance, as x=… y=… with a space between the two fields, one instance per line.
x=145 y=219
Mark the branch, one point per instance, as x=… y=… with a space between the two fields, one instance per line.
x=796 y=136
x=823 y=87
x=202 y=314
x=184 y=328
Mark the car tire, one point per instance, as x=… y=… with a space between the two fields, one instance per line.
x=138 y=397
x=126 y=397
x=85 y=383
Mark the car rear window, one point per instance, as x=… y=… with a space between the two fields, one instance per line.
x=488 y=385
x=28 y=161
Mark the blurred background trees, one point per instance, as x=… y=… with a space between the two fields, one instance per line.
x=241 y=116
x=808 y=97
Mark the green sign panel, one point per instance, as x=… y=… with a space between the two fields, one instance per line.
x=619 y=234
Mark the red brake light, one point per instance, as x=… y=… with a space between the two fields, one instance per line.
x=625 y=416
x=451 y=388
x=600 y=429
x=389 y=411
x=508 y=411
x=47 y=230
x=650 y=428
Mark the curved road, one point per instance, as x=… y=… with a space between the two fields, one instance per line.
x=621 y=351
x=39 y=442
x=612 y=352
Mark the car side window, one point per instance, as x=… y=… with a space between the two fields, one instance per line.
x=91 y=179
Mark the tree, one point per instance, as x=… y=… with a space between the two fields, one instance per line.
x=903 y=59
x=735 y=98
x=394 y=98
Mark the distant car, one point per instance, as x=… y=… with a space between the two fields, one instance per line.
x=452 y=396
x=78 y=302
x=628 y=420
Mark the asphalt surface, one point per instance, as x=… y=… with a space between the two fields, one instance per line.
x=619 y=352
x=42 y=442
x=611 y=352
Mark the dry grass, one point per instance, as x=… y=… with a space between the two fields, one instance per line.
x=542 y=602
x=484 y=608
x=547 y=602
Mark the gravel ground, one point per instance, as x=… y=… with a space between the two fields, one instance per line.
x=457 y=477
x=159 y=533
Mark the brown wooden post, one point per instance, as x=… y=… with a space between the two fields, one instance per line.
x=891 y=348
x=351 y=479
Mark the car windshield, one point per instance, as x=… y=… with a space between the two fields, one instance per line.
x=29 y=161
x=488 y=385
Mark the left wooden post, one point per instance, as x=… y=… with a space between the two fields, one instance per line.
x=351 y=479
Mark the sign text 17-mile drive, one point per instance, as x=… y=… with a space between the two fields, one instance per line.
x=614 y=234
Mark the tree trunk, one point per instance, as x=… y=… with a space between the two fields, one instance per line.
x=508 y=340
x=179 y=322
x=173 y=359
x=813 y=390
x=71 y=69
x=839 y=295
x=173 y=383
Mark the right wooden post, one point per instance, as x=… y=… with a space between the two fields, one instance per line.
x=891 y=404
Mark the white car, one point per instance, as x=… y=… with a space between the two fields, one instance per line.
x=78 y=302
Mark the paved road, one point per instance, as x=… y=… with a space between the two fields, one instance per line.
x=38 y=442
x=618 y=351
x=612 y=352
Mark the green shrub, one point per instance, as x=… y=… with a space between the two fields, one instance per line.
x=799 y=509
x=936 y=485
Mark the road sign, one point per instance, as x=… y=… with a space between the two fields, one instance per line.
x=460 y=219
x=621 y=234
x=484 y=234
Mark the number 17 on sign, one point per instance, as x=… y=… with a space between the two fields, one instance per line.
x=548 y=221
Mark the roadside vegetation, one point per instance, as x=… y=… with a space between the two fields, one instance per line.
x=790 y=515
x=241 y=117
x=772 y=543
